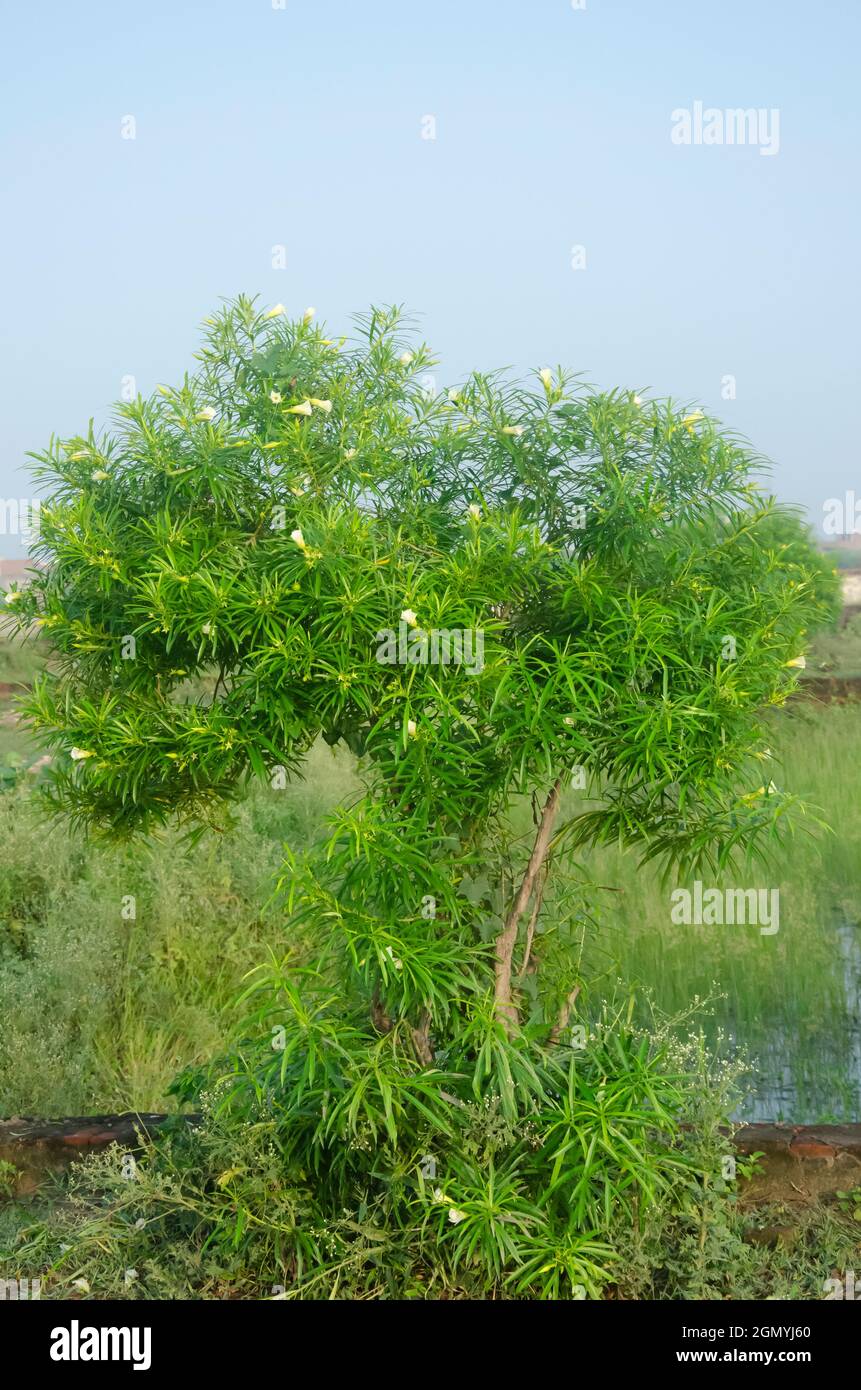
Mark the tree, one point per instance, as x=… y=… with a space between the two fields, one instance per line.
x=488 y=594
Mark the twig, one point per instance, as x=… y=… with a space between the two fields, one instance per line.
x=564 y=1015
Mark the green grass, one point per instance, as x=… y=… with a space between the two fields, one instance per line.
x=100 y=1011
x=838 y=652
x=792 y=999
x=20 y=659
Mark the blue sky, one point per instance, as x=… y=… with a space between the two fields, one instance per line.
x=302 y=126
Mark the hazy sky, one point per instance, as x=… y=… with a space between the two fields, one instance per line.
x=258 y=126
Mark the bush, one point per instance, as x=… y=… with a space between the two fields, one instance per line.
x=484 y=595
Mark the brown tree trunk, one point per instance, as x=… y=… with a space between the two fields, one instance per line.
x=507 y=938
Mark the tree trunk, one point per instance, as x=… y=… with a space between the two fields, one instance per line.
x=507 y=938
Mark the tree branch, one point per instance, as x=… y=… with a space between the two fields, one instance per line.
x=530 y=930
x=507 y=938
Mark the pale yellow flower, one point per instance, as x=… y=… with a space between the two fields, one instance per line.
x=321 y=405
x=405 y=359
x=546 y=376
x=77 y=754
x=303 y=409
x=273 y=313
x=308 y=314
x=298 y=538
x=799 y=661
x=512 y=429
x=99 y=476
x=475 y=510
x=409 y=617
x=412 y=728
x=275 y=397
x=349 y=454
x=455 y=1216
x=637 y=400
x=13 y=595
x=206 y=414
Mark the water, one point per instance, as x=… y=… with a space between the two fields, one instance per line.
x=808 y=1070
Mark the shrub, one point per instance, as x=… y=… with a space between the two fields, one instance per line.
x=484 y=595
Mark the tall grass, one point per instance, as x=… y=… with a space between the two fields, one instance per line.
x=792 y=999
x=101 y=1009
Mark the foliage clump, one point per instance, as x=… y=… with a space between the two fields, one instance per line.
x=272 y=553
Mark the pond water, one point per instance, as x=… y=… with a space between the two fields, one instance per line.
x=808 y=1068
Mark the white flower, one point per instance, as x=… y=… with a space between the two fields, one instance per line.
x=13 y=595
x=321 y=405
x=512 y=429
x=206 y=629
x=273 y=313
x=799 y=661
x=454 y=394
x=455 y=1216
x=412 y=728
x=206 y=414
x=308 y=314
x=100 y=475
x=475 y=510
x=405 y=359
x=409 y=617
x=298 y=538
x=302 y=409
x=76 y=754
x=546 y=376
x=349 y=453
x=398 y=964
x=438 y=1194
x=81 y=1284
x=275 y=397
x=637 y=400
